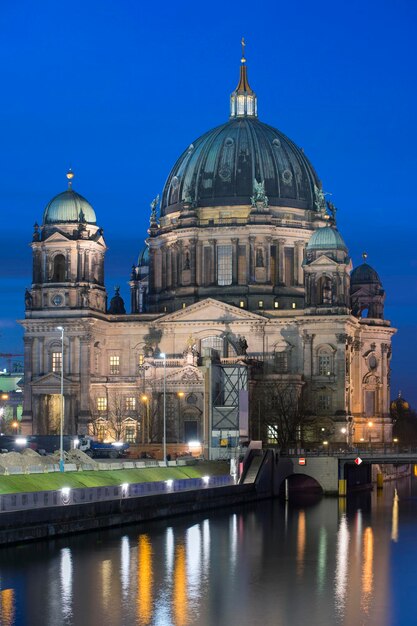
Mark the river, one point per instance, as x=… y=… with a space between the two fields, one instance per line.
x=316 y=562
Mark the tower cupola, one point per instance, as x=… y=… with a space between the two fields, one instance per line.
x=243 y=101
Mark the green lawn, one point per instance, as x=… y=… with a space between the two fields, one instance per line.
x=102 y=478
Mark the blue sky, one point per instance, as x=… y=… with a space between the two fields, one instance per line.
x=118 y=89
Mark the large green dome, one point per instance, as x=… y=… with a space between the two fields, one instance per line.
x=69 y=206
x=219 y=168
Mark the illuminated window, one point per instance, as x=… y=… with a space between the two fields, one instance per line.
x=272 y=434
x=276 y=304
x=130 y=403
x=114 y=364
x=260 y=304
x=184 y=305
x=294 y=306
x=102 y=404
x=130 y=434
x=140 y=359
x=325 y=364
x=56 y=361
x=224 y=265
x=242 y=304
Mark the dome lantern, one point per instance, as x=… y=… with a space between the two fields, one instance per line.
x=243 y=101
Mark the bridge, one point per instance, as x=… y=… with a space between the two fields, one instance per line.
x=333 y=473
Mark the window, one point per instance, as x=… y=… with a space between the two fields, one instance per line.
x=114 y=365
x=242 y=304
x=294 y=306
x=102 y=404
x=130 y=403
x=59 y=269
x=224 y=265
x=213 y=342
x=56 y=361
x=325 y=364
x=260 y=304
x=276 y=304
x=272 y=433
x=323 y=402
x=130 y=434
x=184 y=305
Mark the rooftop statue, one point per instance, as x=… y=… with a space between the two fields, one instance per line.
x=259 y=198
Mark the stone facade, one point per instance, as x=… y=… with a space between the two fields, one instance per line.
x=240 y=294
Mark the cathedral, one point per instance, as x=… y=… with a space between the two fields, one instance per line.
x=246 y=321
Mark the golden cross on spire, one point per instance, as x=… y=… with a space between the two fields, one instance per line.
x=70 y=176
x=364 y=256
x=243 y=50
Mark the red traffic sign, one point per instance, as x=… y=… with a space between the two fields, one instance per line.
x=301 y=461
x=358 y=460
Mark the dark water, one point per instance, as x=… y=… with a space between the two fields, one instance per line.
x=329 y=562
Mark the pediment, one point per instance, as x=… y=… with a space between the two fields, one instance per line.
x=211 y=310
x=51 y=380
x=57 y=237
x=323 y=261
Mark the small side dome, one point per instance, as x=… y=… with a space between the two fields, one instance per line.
x=143 y=259
x=399 y=406
x=364 y=275
x=326 y=238
x=117 y=305
x=69 y=206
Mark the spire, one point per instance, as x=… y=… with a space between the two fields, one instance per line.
x=70 y=176
x=243 y=100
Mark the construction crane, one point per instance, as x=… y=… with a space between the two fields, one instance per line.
x=9 y=356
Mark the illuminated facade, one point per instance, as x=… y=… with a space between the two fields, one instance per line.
x=245 y=283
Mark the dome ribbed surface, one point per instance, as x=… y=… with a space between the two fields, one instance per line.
x=143 y=260
x=364 y=274
x=218 y=169
x=69 y=206
x=326 y=238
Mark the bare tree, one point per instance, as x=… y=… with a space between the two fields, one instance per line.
x=279 y=414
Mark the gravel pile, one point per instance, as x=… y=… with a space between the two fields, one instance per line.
x=28 y=458
x=23 y=459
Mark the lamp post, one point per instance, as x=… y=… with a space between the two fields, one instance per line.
x=164 y=440
x=180 y=395
x=370 y=424
x=145 y=426
x=61 y=429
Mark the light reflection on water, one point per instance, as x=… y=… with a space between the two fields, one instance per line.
x=328 y=562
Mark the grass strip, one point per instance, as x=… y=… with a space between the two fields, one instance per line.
x=23 y=483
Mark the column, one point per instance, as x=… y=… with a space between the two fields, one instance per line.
x=84 y=413
x=235 y=259
x=298 y=262
x=213 y=278
x=193 y=264
x=199 y=263
x=281 y=275
x=268 y=259
x=252 y=259
x=179 y=263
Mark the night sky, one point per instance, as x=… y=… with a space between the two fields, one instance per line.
x=118 y=90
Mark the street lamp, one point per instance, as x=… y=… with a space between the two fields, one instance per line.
x=180 y=395
x=61 y=429
x=145 y=425
x=164 y=441
x=370 y=424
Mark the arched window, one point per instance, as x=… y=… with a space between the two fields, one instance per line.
x=213 y=342
x=325 y=361
x=58 y=275
x=325 y=290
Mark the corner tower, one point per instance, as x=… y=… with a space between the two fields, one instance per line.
x=68 y=258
